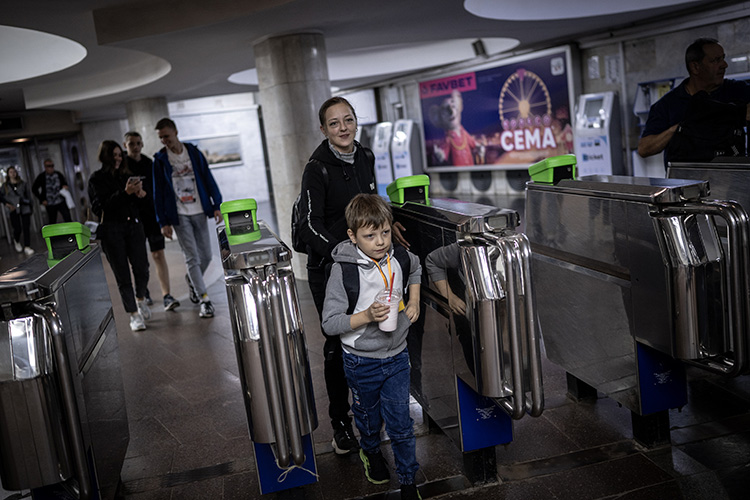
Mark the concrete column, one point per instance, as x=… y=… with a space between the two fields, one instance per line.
x=142 y=117
x=293 y=83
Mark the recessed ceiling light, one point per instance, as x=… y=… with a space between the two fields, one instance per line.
x=546 y=10
x=28 y=53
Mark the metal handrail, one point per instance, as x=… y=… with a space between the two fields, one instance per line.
x=72 y=417
x=269 y=367
x=532 y=330
x=517 y=252
x=281 y=319
x=738 y=228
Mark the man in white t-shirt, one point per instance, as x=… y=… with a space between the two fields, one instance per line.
x=185 y=194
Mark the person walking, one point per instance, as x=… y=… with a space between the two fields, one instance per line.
x=185 y=194
x=18 y=200
x=142 y=165
x=48 y=188
x=338 y=170
x=114 y=193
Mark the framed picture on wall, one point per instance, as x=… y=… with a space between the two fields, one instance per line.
x=220 y=151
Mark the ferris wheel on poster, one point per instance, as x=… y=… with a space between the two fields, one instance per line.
x=524 y=101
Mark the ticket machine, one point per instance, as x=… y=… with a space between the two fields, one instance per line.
x=381 y=147
x=405 y=149
x=598 y=136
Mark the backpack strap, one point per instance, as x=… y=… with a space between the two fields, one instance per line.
x=350 y=275
x=402 y=256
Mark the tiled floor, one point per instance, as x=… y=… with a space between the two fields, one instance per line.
x=189 y=438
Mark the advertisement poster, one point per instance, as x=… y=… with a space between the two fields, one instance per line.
x=504 y=117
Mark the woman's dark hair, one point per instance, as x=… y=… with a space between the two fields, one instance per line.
x=694 y=52
x=330 y=103
x=107 y=157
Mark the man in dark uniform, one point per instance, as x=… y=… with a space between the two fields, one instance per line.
x=704 y=59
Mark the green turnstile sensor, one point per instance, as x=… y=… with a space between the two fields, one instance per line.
x=64 y=238
x=411 y=188
x=240 y=220
x=553 y=170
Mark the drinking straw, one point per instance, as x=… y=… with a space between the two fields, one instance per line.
x=390 y=292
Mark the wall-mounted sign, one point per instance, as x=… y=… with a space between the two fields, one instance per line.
x=503 y=117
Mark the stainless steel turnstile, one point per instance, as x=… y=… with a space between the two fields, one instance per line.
x=63 y=423
x=632 y=280
x=271 y=349
x=475 y=356
x=727 y=180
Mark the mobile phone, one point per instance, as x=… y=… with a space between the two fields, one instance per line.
x=136 y=178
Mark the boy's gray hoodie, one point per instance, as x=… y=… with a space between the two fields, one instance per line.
x=368 y=341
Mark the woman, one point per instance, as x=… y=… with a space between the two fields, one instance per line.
x=18 y=200
x=114 y=193
x=338 y=170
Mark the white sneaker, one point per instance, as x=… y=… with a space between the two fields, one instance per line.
x=28 y=251
x=136 y=322
x=19 y=247
x=144 y=309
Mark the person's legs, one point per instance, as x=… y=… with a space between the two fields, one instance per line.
x=333 y=364
x=114 y=246
x=203 y=244
x=136 y=248
x=26 y=225
x=64 y=211
x=394 y=400
x=186 y=239
x=52 y=214
x=15 y=221
x=162 y=270
x=365 y=378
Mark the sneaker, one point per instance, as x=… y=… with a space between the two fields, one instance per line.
x=193 y=296
x=28 y=251
x=149 y=302
x=170 y=303
x=207 y=310
x=343 y=438
x=143 y=309
x=19 y=247
x=136 y=322
x=410 y=492
x=376 y=469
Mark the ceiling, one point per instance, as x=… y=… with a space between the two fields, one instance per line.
x=123 y=50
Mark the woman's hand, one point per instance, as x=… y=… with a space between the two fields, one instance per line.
x=412 y=310
x=398 y=229
x=133 y=186
x=12 y=208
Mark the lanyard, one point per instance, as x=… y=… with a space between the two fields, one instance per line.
x=382 y=274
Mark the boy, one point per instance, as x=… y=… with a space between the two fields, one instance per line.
x=376 y=363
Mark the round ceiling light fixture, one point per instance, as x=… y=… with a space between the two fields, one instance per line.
x=26 y=53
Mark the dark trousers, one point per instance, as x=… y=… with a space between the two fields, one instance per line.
x=125 y=243
x=21 y=224
x=333 y=359
x=53 y=210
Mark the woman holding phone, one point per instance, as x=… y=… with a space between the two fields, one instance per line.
x=114 y=192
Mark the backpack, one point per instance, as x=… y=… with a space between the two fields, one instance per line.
x=350 y=275
x=710 y=129
x=298 y=219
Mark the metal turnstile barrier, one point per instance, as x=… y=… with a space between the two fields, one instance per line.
x=271 y=348
x=632 y=280
x=63 y=422
x=475 y=351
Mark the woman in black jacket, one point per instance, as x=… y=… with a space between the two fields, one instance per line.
x=114 y=193
x=18 y=200
x=339 y=169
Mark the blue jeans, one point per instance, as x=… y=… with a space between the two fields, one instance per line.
x=192 y=234
x=380 y=392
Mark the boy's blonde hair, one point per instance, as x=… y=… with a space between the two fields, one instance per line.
x=367 y=210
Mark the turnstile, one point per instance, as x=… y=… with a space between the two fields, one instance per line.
x=727 y=180
x=632 y=280
x=271 y=349
x=63 y=422
x=474 y=352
